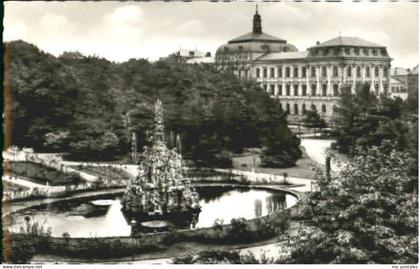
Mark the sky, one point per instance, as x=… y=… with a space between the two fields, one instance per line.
x=119 y=31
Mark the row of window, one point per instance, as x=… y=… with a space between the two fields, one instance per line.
x=289 y=88
x=270 y=88
x=350 y=51
x=294 y=72
x=398 y=89
x=303 y=109
x=233 y=57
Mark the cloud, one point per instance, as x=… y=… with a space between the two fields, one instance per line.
x=122 y=30
x=14 y=30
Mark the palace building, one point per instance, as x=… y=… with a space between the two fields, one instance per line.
x=303 y=80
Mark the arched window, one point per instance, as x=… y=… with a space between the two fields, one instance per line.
x=303 y=108
x=280 y=71
x=324 y=89
x=296 y=109
x=324 y=71
x=303 y=90
x=335 y=71
x=287 y=90
x=313 y=71
x=288 y=108
x=334 y=109
x=295 y=90
x=257 y=71
x=367 y=71
x=295 y=72
x=335 y=90
x=313 y=107
x=385 y=70
x=280 y=90
x=272 y=89
x=313 y=89
x=376 y=71
x=349 y=71
x=287 y=72
x=358 y=72
x=324 y=109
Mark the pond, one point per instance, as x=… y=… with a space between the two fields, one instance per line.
x=101 y=217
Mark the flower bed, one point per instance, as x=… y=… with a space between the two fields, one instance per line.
x=41 y=174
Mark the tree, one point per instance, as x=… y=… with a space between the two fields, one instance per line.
x=363 y=119
x=363 y=215
x=312 y=119
x=89 y=107
x=58 y=140
x=18 y=250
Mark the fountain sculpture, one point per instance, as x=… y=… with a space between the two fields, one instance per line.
x=160 y=193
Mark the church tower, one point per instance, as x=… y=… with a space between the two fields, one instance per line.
x=256 y=24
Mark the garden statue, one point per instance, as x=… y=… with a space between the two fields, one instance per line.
x=160 y=192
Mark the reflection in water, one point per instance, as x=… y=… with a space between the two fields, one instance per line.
x=276 y=202
x=104 y=217
x=237 y=204
x=258 y=208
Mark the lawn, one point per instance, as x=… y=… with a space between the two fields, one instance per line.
x=105 y=172
x=302 y=169
x=13 y=187
x=42 y=174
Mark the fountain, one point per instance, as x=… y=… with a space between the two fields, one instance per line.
x=160 y=197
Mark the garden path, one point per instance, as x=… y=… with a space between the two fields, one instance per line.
x=24 y=182
x=317 y=150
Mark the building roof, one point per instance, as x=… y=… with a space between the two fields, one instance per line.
x=256 y=47
x=347 y=41
x=396 y=81
x=256 y=37
x=399 y=71
x=190 y=53
x=415 y=70
x=284 y=55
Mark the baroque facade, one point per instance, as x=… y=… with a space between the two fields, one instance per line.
x=303 y=80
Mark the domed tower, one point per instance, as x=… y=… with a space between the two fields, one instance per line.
x=238 y=54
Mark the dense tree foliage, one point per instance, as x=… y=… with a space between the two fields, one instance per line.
x=366 y=214
x=363 y=119
x=312 y=119
x=88 y=105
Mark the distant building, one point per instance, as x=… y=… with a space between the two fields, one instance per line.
x=404 y=80
x=303 y=80
x=413 y=82
x=189 y=54
x=193 y=56
x=398 y=88
x=207 y=59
